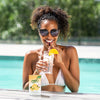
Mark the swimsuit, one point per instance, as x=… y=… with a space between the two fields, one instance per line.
x=59 y=80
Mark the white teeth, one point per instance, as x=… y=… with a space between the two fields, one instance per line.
x=49 y=40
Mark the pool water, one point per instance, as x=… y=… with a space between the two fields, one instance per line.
x=90 y=77
x=11 y=74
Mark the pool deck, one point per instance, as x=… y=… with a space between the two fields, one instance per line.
x=24 y=95
x=21 y=49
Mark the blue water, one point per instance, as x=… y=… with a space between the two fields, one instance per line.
x=89 y=77
x=11 y=74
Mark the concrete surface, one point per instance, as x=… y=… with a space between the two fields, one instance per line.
x=21 y=49
x=24 y=95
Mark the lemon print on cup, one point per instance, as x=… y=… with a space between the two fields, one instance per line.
x=34 y=87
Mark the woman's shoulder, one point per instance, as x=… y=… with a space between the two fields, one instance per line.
x=32 y=53
x=69 y=50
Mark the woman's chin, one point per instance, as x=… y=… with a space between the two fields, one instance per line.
x=50 y=45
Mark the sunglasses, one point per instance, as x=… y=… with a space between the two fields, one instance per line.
x=53 y=32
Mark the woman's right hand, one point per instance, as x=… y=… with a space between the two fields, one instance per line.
x=41 y=66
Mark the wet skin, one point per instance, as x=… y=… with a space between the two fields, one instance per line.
x=66 y=60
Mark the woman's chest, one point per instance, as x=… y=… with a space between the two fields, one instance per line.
x=56 y=73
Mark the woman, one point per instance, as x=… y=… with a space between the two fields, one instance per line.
x=50 y=24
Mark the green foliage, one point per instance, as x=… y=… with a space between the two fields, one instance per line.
x=85 y=18
x=15 y=17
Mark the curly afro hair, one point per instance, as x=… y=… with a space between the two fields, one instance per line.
x=46 y=12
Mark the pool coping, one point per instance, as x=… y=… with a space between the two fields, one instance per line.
x=21 y=49
x=22 y=94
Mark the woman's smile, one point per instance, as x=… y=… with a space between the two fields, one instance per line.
x=49 y=42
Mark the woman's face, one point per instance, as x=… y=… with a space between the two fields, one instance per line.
x=50 y=26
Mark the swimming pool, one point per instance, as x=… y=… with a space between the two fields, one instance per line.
x=11 y=74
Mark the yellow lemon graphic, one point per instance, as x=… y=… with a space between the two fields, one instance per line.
x=53 y=51
x=34 y=87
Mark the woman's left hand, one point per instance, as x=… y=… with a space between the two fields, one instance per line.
x=58 y=61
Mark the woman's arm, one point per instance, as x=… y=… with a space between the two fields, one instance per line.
x=27 y=70
x=32 y=66
x=70 y=71
x=72 y=74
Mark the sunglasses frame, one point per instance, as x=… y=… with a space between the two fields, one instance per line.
x=47 y=32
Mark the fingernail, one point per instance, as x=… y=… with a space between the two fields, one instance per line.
x=44 y=70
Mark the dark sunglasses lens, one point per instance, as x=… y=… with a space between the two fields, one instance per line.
x=54 y=32
x=44 y=32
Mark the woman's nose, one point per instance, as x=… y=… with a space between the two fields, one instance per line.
x=49 y=35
